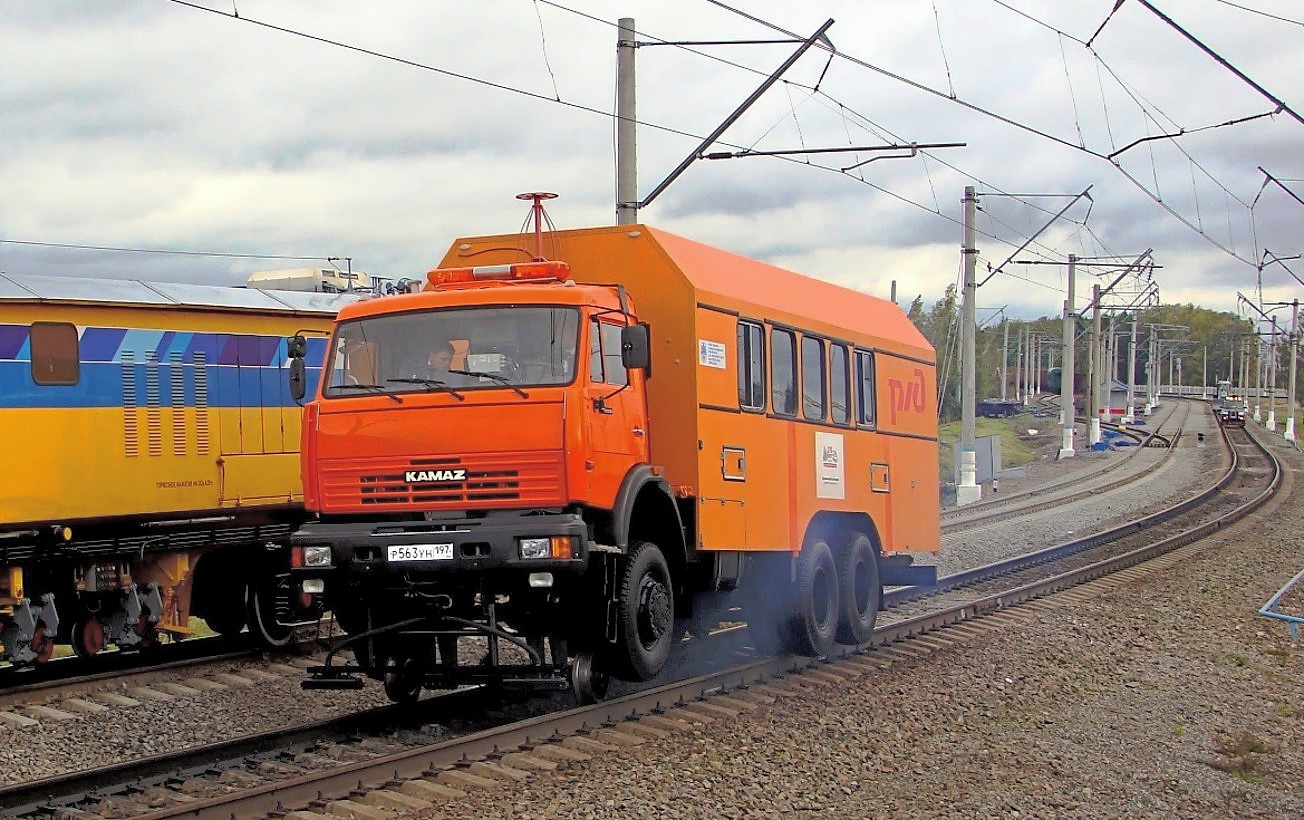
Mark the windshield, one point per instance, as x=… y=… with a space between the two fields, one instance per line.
x=454 y=349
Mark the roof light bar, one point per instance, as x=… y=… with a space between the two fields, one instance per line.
x=559 y=271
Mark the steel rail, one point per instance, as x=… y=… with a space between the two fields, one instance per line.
x=962 y=516
x=1006 y=566
x=1039 y=588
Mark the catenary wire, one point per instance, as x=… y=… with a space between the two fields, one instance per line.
x=1260 y=12
x=535 y=95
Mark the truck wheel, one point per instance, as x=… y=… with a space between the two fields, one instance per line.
x=645 y=613
x=815 y=622
x=265 y=602
x=859 y=591
x=228 y=617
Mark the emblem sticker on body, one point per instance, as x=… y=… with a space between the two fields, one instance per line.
x=830 y=472
x=710 y=354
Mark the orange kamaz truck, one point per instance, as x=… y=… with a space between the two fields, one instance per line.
x=555 y=457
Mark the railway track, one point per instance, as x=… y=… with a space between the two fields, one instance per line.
x=399 y=761
x=1053 y=495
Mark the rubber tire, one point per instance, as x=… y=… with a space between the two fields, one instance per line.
x=813 y=626
x=859 y=591
x=262 y=622
x=228 y=618
x=637 y=656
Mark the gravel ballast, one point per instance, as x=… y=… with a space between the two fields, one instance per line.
x=1169 y=697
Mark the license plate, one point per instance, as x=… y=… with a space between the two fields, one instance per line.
x=421 y=552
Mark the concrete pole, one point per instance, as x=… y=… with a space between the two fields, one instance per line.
x=1041 y=368
x=1258 y=379
x=1005 y=357
x=1294 y=352
x=1093 y=369
x=1111 y=372
x=1030 y=366
x=1272 y=379
x=1018 y=369
x=1068 y=407
x=1034 y=362
x=1129 y=416
x=1150 y=371
x=968 y=490
x=626 y=129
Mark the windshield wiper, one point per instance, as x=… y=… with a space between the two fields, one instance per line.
x=431 y=383
x=373 y=388
x=503 y=380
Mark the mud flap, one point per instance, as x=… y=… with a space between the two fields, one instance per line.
x=899 y=571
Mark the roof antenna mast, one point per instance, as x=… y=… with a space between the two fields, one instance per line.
x=540 y=216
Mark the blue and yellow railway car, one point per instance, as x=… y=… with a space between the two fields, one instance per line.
x=150 y=460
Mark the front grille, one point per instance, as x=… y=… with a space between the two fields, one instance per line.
x=492 y=479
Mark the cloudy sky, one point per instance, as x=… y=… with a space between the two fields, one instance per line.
x=151 y=124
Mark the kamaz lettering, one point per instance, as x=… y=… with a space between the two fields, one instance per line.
x=417 y=476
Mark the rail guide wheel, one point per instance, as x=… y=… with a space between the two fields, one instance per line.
x=403 y=684
x=589 y=682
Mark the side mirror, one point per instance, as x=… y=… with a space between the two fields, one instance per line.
x=296 y=347
x=635 y=350
x=298 y=379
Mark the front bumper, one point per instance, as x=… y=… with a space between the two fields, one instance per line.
x=479 y=547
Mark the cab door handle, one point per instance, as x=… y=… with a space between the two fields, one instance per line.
x=639 y=431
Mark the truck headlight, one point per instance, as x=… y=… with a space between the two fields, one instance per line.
x=316 y=556
x=535 y=547
x=314 y=586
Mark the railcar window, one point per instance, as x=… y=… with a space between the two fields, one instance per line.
x=613 y=367
x=783 y=375
x=751 y=367
x=55 y=359
x=605 y=364
x=840 y=379
x=813 y=379
x=595 y=352
x=865 y=395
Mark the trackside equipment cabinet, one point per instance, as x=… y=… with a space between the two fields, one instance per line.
x=556 y=457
